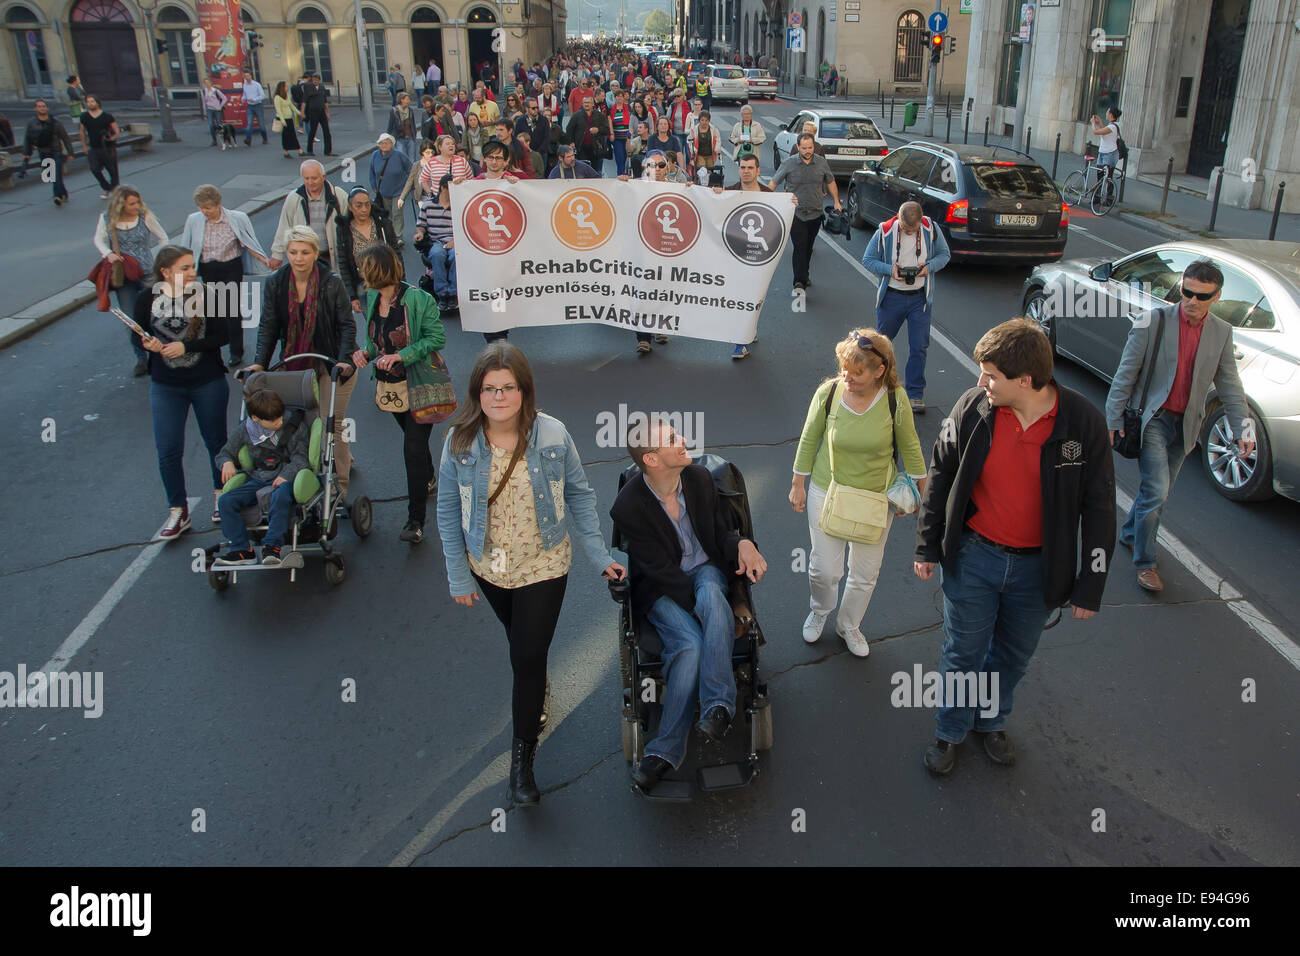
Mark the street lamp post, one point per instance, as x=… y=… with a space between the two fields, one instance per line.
x=164 y=100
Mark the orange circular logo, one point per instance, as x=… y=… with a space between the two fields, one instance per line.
x=583 y=219
x=494 y=222
x=669 y=224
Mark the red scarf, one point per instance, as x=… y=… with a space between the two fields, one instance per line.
x=302 y=321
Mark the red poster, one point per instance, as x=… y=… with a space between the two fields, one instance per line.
x=223 y=51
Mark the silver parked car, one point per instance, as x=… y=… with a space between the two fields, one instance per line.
x=1087 y=306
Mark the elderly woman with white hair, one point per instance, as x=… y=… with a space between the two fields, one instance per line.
x=746 y=135
x=306 y=308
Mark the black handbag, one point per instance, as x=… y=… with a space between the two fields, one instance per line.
x=1129 y=445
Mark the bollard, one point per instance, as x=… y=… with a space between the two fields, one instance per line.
x=1214 y=208
x=891 y=112
x=947 y=101
x=1122 y=181
x=1056 y=153
x=965 y=129
x=1277 y=208
x=948 y=137
x=1028 y=131
x=880 y=95
x=986 y=131
x=1164 y=195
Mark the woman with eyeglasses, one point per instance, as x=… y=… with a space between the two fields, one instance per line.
x=512 y=496
x=850 y=435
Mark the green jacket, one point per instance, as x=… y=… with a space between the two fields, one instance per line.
x=427 y=333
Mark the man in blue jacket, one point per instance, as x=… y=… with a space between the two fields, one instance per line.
x=389 y=170
x=906 y=252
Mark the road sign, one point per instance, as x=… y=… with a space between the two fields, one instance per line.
x=32 y=39
x=794 y=39
x=938 y=22
x=796 y=18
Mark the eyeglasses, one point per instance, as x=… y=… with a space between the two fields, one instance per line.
x=1202 y=296
x=506 y=390
x=657 y=165
x=864 y=343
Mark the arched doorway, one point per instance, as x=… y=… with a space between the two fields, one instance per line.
x=426 y=40
x=103 y=42
x=29 y=47
x=480 y=22
x=314 y=35
x=909 y=55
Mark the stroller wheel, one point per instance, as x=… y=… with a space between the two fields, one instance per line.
x=362 y=516
x=334 y=570
x=220 y=580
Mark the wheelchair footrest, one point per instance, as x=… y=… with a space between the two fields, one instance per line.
x=727 y=776
x=667 y=791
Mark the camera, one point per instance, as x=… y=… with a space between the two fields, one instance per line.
x=908 y=273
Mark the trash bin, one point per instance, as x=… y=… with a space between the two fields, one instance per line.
x=909 y=115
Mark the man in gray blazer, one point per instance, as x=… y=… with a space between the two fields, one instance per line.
x=1195 y=351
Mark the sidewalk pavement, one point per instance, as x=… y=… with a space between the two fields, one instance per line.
x=1187 y=211
x=45 y=269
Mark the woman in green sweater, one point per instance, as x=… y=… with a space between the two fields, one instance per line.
x=402 y=330
x=849 y=422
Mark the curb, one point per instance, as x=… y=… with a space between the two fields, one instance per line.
x=47 y=311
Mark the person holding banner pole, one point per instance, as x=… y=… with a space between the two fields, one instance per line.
x=495 y=156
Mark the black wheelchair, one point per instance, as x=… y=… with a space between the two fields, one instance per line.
x=641 y=668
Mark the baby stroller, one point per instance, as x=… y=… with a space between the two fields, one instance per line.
x=641 y=668
x=316 y=507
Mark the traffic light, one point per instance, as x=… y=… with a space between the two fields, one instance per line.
x=936 y=47
x=254 y=40
x=160 y=46
x=952 y=45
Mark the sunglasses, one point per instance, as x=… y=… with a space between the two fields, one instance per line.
x=864 y=343
x=1202 y=296
x=657 y=165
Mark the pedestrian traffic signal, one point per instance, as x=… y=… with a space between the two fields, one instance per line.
x=936 y=47
x=254 y=40
x=160 y=46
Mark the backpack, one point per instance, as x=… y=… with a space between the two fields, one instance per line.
x=1121 y=147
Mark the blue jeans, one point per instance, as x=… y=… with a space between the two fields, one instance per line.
x=253 y=114
x=407 y=148
x=1161 y=458
x=993 y=616
x=442 y=265
x=697 y=653
x=620 y=155
x=171 y=408
x=894 y=309
x=127 y=294
x=214 y=123
x=59 y=157
x=278 y=512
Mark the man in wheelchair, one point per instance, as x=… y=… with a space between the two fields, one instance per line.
x=680 y=553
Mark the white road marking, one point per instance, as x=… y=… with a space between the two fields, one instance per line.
x=1095 y=238
x=1216 y=583
x=100 y=612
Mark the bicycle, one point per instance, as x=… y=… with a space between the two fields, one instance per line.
x=1076 y=187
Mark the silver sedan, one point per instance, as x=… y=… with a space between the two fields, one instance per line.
x=1086 y=307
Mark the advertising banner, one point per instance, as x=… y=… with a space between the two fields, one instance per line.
x=223 y=52
x=643 y=256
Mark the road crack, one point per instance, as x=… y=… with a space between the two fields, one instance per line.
x=832 y=654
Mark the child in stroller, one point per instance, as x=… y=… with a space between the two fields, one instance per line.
x=277 y=445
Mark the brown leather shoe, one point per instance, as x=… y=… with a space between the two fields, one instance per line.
x=1149 y=580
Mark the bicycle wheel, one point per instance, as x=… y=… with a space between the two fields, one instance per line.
x=1103 y=196
x=1073 y=188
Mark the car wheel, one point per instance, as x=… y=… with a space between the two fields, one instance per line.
x=1237 y=478
x=855 y=213
x=1035 y=309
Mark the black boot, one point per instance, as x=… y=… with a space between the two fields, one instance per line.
x=523 y=788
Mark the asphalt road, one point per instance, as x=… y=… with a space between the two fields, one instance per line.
x=232 y=703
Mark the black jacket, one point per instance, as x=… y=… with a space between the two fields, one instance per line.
x=336 y=330
x=577 y=129
x=1078 y=482
x=653 y=551
x=540 y=131
x=348 y=270
x=46 y=136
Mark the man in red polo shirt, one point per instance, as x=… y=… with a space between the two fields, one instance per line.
x=1021 y=470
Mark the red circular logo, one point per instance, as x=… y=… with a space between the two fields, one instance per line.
x=494 y=222
x=668 y=224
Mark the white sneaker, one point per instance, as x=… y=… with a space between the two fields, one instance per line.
x=812 y=627
x=853 y=637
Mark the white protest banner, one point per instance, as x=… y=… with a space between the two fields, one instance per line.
x=651 y=257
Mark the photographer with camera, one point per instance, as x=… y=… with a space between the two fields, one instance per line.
x=908 y=249
x=746 y=135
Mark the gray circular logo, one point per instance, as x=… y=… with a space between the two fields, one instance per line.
x=754 y=233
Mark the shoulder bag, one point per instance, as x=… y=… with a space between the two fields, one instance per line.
x=1129 y=445
x=431 y=394
x=119 y=270
x=852 y=514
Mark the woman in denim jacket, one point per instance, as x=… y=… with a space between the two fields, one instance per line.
x=508 y=477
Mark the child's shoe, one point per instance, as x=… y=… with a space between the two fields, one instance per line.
x=271 y=556
x=234 y=559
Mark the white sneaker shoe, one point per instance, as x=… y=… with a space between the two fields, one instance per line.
x=812 y=627
x=853 y=637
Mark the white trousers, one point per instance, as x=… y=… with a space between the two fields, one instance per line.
x=826 y=567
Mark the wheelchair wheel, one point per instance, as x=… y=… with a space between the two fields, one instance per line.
x=763 y=724
x=220 y=580
x=362 y=516
x=334 y=569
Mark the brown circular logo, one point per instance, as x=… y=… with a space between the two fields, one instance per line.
x=583 y=219
x=494 y=222
x=668 y=224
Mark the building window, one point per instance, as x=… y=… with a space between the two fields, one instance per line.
x=35 y=67
x=1103 y=75
x=252 y=60
x=315 y=46
x=909 y=55
x=376 y=48
x=182 y=66
x=1009 y=71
